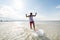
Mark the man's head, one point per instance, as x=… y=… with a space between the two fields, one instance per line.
x=30 y=13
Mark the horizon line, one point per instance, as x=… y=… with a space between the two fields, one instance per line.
x=24 y=20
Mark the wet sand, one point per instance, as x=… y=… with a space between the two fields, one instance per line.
x=19 y=31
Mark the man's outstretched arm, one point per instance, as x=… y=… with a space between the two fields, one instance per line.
x=27 y=16
x=35 y=14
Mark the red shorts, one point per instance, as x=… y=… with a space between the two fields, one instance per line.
x=32 y=22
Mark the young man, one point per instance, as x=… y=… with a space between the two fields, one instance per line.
x=31 y=20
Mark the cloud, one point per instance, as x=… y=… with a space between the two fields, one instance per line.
x=15 y=10
x=58 y=6
x=18 y=4
x=7 y=11
x=54 y=16
x=40 y=17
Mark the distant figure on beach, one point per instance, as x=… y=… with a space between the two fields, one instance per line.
x=31 y=20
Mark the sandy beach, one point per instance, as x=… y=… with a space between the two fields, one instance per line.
x=20 y=30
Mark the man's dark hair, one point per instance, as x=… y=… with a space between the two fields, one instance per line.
x=30 y=13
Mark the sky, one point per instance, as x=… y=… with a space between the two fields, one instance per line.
x=16 y=9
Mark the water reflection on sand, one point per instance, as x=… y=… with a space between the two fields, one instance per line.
x=21 y=31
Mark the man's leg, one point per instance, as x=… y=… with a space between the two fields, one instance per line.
x=34 y=25
x=30 y=25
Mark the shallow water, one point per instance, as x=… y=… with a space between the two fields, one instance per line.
x=21 y=31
